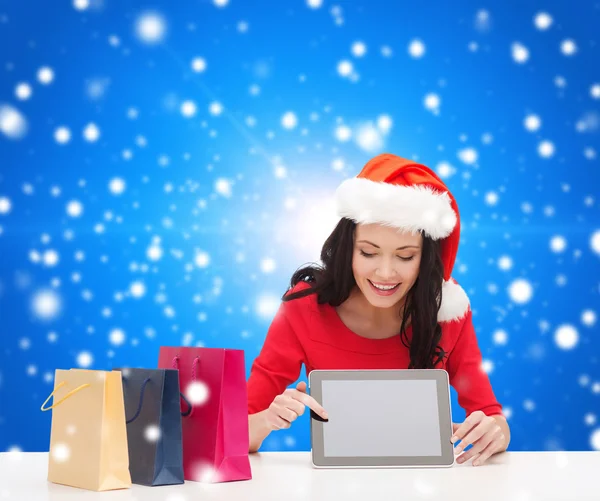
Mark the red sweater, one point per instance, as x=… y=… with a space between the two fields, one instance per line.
x=304 y=332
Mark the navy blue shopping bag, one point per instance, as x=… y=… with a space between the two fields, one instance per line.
x=154 y=433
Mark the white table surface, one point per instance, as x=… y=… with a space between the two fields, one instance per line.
x=286 y=476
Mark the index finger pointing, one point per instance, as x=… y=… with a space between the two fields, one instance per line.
x=462 y=430
x=311 y=403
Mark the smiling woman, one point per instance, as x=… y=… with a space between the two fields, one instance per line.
x=382 y=298
x=393 y=280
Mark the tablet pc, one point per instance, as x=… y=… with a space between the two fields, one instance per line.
x=382 y=418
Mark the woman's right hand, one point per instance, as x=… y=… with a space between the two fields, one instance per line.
x=286 y=408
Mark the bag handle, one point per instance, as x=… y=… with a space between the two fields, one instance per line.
x=175 y=365
x=189 y=409
x=140 y=403
x=194 y=367
x=71 y=393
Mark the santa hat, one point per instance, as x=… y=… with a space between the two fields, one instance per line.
x=401 y=193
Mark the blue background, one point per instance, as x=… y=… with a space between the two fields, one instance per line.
x=275 y=210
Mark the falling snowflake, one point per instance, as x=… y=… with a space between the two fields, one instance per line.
x=289 y=120
x=358 y=49
x=23 y=91
x=84 y=359
x=91 y=133
x=345 y=68
x=343 y=133
x=152 y=433
x=546 y=149
x=46 y=304
x=13 y=123
x=199 y=64
x=81 y=4
x=520 y=53
x=151 y=28
x=202 y=259
x=520 y=291
x=416 y=49
x=62 y=135
x=566 y=337
x=5 y=205
x=543 y=21
x=45 y=75
x=197 y=393
x=532 y=123
x=60 y=453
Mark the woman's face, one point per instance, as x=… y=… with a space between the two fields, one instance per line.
x=385 y=263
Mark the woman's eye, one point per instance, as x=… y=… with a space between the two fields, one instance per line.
x=366 y=254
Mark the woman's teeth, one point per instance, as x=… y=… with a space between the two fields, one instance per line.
x=384 y=287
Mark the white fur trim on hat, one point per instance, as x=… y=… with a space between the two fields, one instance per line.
x=415 y=208
x=455 y=302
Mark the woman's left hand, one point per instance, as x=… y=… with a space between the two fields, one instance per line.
x=483 y=433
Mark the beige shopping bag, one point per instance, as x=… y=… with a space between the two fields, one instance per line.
x=88 y=440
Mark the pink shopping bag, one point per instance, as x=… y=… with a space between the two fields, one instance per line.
x=215 y=432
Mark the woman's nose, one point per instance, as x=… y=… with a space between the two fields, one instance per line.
x=386 y=270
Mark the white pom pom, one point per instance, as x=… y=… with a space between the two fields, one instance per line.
x=449 y=221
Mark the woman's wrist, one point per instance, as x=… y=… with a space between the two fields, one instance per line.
x=259 y=430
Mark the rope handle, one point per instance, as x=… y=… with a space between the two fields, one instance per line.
x=140 y=403
x=195 y=367
x=71 y=393
x=175 y=365
x=189 y=409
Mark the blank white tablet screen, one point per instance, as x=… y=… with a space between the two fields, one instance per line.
x=381 y=418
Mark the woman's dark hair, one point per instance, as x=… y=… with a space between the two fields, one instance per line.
x=334 y=280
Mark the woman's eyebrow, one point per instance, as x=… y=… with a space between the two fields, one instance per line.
x=399 y=248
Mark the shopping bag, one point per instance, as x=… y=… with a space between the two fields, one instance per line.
x=215 y=433
x=88 y=438
x=153 y=426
